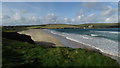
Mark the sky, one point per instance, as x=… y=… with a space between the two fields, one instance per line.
x=60 y=0
x=38 y=13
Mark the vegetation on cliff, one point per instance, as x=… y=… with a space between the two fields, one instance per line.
x=22 y=54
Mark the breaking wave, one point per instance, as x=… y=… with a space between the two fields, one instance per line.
x=103 y=44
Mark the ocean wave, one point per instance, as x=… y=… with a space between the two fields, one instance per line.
x=102 y=44
x=93 y=35
x=103 y=51
x=115 y=32
x=85 y=37
x=112 y=32
x=79 y=42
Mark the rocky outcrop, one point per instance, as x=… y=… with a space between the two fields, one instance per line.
x=17 y=36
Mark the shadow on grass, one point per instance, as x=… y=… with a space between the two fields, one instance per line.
x=45 y=44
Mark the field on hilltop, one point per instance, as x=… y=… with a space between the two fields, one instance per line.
x=60 y=26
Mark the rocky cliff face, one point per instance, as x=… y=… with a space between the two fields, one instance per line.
x=17 y=36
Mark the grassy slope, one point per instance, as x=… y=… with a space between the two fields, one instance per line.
x=17 y=53
x=101 y=25
x=59 y=26
x=97 y=25
x=21 y=54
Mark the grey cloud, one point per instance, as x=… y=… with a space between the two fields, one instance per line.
x=17 y=17
x=51 y=18
x=107 y=14
x=5 y=17
x=67 y=20
x=35 y=19
x=23 y=11
x=108 y=11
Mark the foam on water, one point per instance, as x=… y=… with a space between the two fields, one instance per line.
x=103 y=44
x=113 y=32
x=94 y=35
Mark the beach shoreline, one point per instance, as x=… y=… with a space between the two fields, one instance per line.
x=41 y=35
x=74 y=44
x=49 y=39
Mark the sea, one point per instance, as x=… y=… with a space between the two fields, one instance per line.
x=104 y=39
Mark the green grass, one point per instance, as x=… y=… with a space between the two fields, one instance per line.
x=100 y=25
x=21 y=54
x=58 y=26
x=13 y=28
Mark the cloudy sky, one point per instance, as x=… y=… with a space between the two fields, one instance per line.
x=36 y=13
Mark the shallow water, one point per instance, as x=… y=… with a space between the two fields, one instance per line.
x=105 y=40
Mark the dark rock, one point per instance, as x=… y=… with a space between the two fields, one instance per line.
x=17 y=36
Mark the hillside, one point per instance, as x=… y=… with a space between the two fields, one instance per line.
x=19 y=51
x=18 y=54
x=60 y=26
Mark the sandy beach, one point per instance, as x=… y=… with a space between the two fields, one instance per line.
x=45 y=38
x=41 y=37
